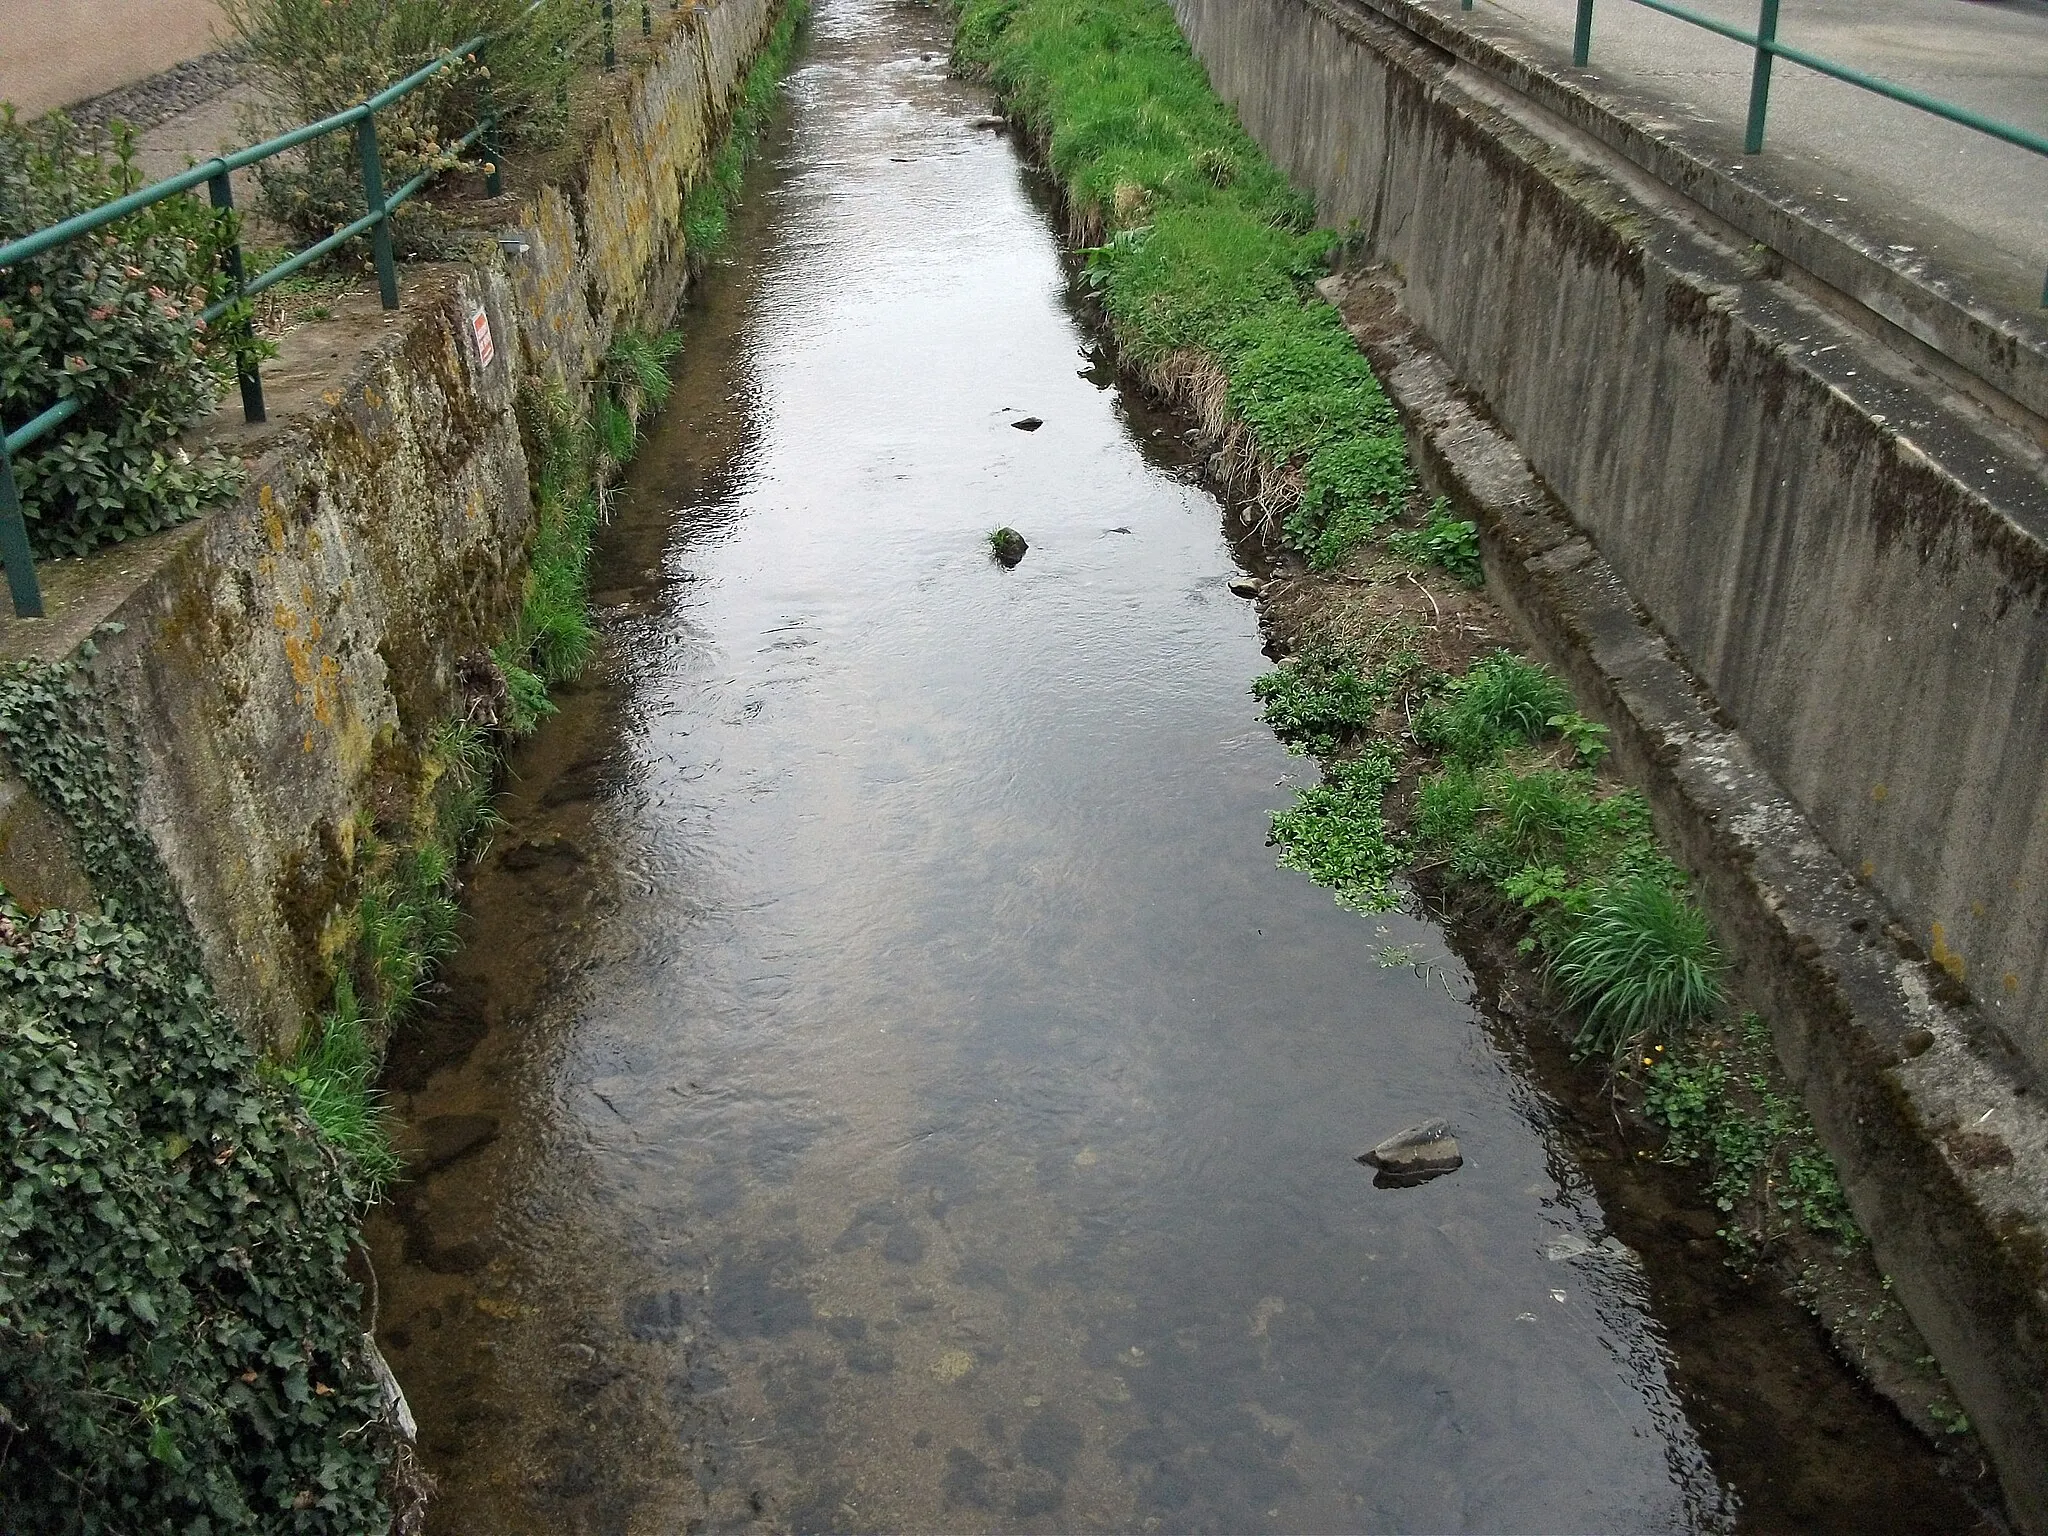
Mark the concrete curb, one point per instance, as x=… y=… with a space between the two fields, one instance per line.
x=1942 y=1146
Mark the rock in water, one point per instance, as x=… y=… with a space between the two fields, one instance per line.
x=1007 y=545
x=1246 y=586
x=1417 y=1154
x=1027 y=424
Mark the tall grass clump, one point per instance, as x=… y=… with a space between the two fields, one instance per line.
x=1504 y=700
x=335 y=1073
x=403 y=925
x=707 y=206
x=1201 y=256
x=1639 y=963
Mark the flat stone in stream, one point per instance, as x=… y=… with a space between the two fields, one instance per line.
x=1246 y=586
x=1007 y=545
x=1415 y=1155
x=1027 y=424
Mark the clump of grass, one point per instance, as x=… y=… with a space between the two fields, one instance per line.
x=1449 y=542
x=1317 y=698
x=1504 y=700
x=334 y=1071
x=1336 y=832
x=1641 y=963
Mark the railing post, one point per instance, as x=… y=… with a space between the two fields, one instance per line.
x=1760 y=78
x=222 y=190
x=611 y=52
x=494 y=181
x=21 y=565
x=1582 y=35
x=373 y=194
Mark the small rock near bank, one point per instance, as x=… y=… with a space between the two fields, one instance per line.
x=1246 y=586
x=1007 y=545
x=1418 y=1153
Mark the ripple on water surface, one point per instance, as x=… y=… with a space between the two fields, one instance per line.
x=890 y=1084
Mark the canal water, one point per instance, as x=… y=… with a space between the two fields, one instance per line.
x=889 y=1084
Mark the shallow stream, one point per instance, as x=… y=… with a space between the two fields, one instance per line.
x=890 y=1086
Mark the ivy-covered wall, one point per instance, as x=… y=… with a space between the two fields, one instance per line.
x=285 y=666
x=219 y=755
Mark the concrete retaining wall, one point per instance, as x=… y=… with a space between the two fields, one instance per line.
x=1847 y=558
x=282 y=664
x=1851 y=557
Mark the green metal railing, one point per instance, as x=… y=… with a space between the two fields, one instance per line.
x=1764 y=43
x=216 y=175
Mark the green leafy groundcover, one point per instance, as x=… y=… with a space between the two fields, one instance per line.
x=178 y=1349
x=1206 y=252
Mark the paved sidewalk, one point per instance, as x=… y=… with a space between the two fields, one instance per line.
x=1961 y=201
x=56 y=52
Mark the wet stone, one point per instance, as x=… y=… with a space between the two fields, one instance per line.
x=1007 y=545
x=537 y=851
x=1246 y=586
x=655 y=1314
x=871 y=1358
x=444 y=1138
x=904 y=1244
x=1027 y=423
x=966 y=1480
x=1415 y=1155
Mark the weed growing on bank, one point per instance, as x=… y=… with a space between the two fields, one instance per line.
x=1714 y=1095
x=1448 y=542
x=1200 y=255
x=707 y=208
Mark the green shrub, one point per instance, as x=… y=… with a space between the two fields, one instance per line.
x=1765 y=1165
x=1446 y=541
x=112 y=320
x=1641 y=962
x=1336 y=832
x=322 y=56
x=1316 y=698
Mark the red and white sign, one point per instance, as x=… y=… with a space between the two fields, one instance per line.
x=480 y=325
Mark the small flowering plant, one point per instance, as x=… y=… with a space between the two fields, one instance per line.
x=113 y=319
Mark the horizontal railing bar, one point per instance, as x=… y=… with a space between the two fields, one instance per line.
x=55 y=416
x=393 y=199
x=1962 y=116
x=147 y=197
